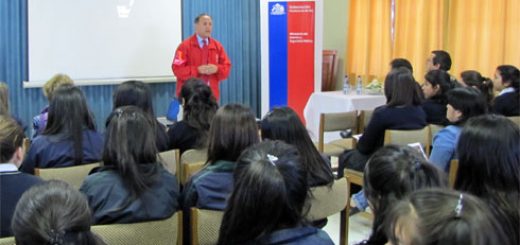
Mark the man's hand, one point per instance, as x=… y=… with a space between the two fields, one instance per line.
x=207 y=69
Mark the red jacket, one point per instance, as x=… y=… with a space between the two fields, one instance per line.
x=188 y=57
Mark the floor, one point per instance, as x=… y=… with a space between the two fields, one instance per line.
x=359 y=228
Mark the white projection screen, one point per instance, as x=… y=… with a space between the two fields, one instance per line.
x=103 y=40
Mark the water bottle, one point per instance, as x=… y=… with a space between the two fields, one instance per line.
x=346 y=85
x=359 y=85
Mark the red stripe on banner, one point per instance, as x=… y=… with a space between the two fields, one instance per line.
x=300 y=25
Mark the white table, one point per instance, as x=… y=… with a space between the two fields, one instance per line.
x=336 y=101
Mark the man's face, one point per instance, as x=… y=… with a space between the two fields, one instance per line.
x=204 y=26
x=429 y=64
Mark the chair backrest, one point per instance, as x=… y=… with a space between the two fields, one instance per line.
x=205 y=226
x=328 y=74
x=335 y=122
x=74 y=175
x=189 y=169
x=354 y=177
x=515 y=119
x=167 y=231
x=404 y=137
x=434 y=129
x=326 y=201
x=7 y=241
x=452 y=174
x=364 y=118
x=192 y=156
x=171 y=160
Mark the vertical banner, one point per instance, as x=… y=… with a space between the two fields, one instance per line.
x=291 y=53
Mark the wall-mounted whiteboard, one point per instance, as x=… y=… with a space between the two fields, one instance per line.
x=100 y=40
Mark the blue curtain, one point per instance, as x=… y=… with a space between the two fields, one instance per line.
x=236 y=24
x=26 y=103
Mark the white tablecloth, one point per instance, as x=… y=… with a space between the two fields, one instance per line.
x=336 y=101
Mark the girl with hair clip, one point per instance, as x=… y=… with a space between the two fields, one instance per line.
x=489 y=158
x=284 y=124
x=267 y=205
x=138 y=94
x=402 y=111
x=507 y=82
x=132 y=185
x=391 y=174
x=463 y=104
x=436 y=84
x=70 y=137
x=474 y=79
x=13 y=183
x=199 y=107
x=53 y=213
x=445 y=217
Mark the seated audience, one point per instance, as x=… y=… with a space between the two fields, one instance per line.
x=401 y=62
x=12 y=182
x=132 y=185
x=284 y=124
x=489 y=159
x=436 y=84
x=199 y=107
x=463 y=104
x=474 y=79
x=391 y=174
x=70 y=137
x=267 y=205
x=53 y=213
x=40 y=121
x=507 y=82
x=443 y=217
x=4 y=105
x=440 y=60
x=138 y=94
x=402 y=111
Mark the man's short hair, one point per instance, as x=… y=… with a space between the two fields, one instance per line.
x=199 y=16
x=443 y=59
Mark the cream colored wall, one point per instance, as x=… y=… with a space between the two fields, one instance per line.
x=335 y=21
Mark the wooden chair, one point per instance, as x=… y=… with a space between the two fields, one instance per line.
x=328 y=70
x=356 y=178
x=363 y=119
x=336 y=122
x=205 y=226
x=516 y=120
x=327 y=201
x=171 y=161
x=404 y=137
x=434 y=129
x=7 y=241
x=452 y=174
x=189 y=169
x=191 y=156
x=167 y=231
x=74 y=175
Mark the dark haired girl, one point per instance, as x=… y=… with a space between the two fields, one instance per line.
x=489 y=163
x=284 y=124
x=199 y=107
x=70 y=136
x=436 y=84
x=507 y=82
x=463 y=103
x=267 y=203
x=474 y=79
x=132 y=185
x=138 y=94
x=391 y=174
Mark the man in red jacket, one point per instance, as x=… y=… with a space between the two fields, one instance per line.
x=202 y=57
